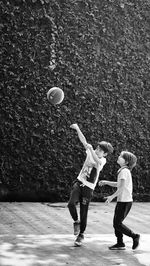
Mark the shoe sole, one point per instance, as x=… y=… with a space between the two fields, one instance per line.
x=123 y=248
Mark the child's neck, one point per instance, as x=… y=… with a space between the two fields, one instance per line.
x=123 y=165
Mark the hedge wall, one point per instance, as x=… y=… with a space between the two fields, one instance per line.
x=98 y=52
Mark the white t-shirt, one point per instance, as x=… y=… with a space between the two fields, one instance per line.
x=86 y=171
x=126 y=195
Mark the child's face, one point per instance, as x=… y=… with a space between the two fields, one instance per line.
x=121 y=161
x=99 y=152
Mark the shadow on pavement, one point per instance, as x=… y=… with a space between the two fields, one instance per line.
x=59 y=250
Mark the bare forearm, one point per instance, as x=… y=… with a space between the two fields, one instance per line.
x=109 y=183
x=81 y=136
x=88 y=184
x=112 y=184
x=117 y=193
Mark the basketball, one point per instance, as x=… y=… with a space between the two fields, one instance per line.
x=55 y=95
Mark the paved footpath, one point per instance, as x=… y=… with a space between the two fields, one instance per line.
x=34 y=234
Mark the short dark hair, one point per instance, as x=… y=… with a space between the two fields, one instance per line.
x=106 y=147
x=129 y=158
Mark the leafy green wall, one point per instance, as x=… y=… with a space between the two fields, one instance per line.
x=98 y=52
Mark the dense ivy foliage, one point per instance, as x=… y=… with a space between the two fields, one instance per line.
x=98 y=52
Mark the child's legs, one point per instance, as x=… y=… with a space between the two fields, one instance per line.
x=84 y=205
x=121 y=211
x=74 y=199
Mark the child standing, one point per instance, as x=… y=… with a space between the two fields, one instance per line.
x=127 y=161
x=85 y=183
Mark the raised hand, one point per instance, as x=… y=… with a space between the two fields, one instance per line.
x=74 y=126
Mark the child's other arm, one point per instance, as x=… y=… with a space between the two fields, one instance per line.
x=109 y=183
x=117 y=193
x=80 y=134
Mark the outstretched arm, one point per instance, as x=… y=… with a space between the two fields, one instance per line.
x=117 y=193
x=109 y=183
x=80 y=134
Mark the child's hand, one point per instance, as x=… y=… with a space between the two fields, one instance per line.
x=74 y=126
x=102 y=183
x=89 y=146
x=108 y=199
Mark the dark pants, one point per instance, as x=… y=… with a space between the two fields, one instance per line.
x=121 y=211
x=83 y=195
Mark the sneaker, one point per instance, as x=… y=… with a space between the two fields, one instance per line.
x=117 y=247
x=136 y=241
x=76 y=226
x=79 y=239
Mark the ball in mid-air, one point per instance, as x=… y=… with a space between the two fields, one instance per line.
x=55 y=95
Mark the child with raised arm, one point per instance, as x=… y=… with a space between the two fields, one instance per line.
x=85 y=183
x=127 y=161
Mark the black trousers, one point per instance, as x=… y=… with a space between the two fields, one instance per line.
x=83 y=195
x=121 y=211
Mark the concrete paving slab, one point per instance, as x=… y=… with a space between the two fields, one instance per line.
x=34 y=234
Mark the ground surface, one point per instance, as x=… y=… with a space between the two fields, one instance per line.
x=41 y=234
